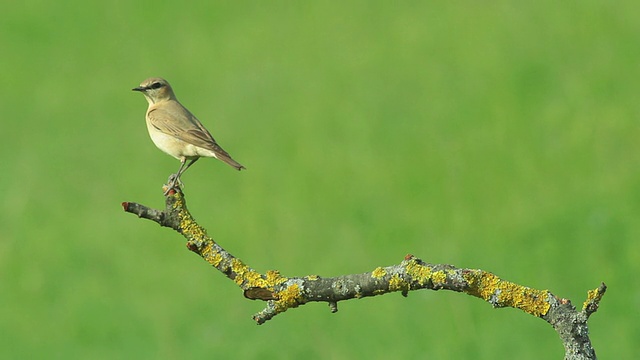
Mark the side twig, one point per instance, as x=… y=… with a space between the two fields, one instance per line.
x=282 y=293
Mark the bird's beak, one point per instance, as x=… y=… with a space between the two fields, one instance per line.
x=139 y=88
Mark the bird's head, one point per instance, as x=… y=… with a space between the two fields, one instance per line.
x=155 y=89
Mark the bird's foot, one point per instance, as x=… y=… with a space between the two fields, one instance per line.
x=173 y=183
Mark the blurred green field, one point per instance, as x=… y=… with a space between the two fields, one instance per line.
x=499 y=136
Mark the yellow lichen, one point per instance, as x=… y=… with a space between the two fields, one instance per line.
x=396 y=283
x=481 y=283
x=212 y=257
x=378 y=273
x=252 y=279
x=531 y=301
x=313 y=277
x=486 y=285
x=439 y=277
x=274 y=278
x=191 y=229
x=418 y=272
x=593 y=296
x=288 y=298
x=243 y=273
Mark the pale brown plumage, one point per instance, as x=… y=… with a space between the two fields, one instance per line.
x=175 y=130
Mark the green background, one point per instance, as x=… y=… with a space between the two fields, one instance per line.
x=502 y=136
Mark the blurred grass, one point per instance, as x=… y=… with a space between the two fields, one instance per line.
x=500 y=136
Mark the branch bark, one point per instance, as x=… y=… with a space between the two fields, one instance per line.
x=282 y=293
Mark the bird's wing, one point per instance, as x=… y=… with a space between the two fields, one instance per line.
x=175 y=120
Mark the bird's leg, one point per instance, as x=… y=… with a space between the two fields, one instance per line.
x=182 y=169
x=174 y=179
x=188 y=165
x=171 y=183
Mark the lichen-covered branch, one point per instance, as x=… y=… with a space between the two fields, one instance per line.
x=282 y=293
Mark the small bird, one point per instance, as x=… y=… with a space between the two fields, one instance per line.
x=176 y=131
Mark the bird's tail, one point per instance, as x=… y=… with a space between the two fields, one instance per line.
x=231 y=162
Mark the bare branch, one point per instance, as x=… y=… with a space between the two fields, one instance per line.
x=282 y=293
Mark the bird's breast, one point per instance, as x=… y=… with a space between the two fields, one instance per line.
x=175 y=147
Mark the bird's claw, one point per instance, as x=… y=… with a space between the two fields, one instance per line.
x=173 y=182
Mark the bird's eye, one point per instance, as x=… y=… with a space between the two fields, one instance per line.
x=156 y=85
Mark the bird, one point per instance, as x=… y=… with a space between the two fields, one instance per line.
x=176 y=131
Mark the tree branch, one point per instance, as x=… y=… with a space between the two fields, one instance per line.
x=282 y=293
